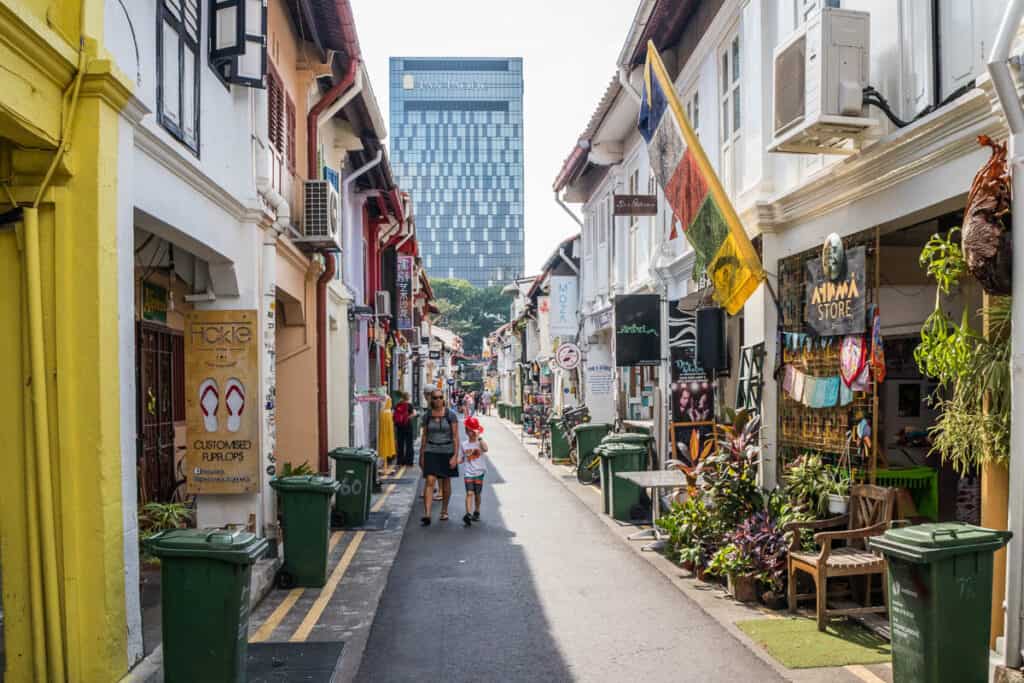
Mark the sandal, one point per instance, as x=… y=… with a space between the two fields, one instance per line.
x=444 y=516
x=438 y=496
x=424 y=521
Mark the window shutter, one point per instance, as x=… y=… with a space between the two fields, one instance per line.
x=290 y=123
x=274 y=109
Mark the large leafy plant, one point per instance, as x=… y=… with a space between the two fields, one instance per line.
x=730 y=475
x=972 y=370
x=761 y=540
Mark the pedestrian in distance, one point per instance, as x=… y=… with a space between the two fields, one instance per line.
x=439 y=454
x=485 y=402
x=404 y=413
x=474 y=467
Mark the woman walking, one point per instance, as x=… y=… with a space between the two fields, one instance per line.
x=439 y=451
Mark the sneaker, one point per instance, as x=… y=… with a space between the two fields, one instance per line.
x=476 y=516
x=467 y=520
x=424 y=521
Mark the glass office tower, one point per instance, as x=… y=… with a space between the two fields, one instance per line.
x=457 y=148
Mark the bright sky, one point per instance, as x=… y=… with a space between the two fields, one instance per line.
x=569 y=48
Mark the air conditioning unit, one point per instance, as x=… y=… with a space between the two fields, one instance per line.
x=382 y=302
x=819 y=77
x=321 y=215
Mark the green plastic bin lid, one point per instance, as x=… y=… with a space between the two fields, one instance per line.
x=927 y=543
x=306 y=483
x=226 y=545
x=621 y=448
x=588 y=426
x=351 y=453
x=627 y=437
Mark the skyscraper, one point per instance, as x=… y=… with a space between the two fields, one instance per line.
x=457 y=148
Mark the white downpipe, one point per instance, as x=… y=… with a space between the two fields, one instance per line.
x=565 y=207
x=1006 y=91
x=350 y=239
x=627 y=85
x=568 y=261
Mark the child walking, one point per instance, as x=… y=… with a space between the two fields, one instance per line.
x=474 y=468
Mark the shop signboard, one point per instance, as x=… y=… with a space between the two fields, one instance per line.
x=564 y=303
x=154 y=302
x=222 y=401
x=637 y=330
x=636 y=205
x=835 y=296
x=403 y=286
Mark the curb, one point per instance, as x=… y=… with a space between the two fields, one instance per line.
x=709 y=601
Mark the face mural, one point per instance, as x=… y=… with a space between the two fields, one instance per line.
x=833 y=258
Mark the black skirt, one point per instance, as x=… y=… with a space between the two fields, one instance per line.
x=437 y=465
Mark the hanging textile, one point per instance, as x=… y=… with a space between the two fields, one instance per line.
x=852 y=357
x=877 y=348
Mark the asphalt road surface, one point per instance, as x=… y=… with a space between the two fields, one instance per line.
x=540 y=590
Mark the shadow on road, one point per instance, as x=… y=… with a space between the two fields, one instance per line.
x=461 y=604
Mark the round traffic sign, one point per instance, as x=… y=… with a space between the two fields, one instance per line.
x=568 y=356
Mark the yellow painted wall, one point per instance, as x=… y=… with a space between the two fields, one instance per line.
x=78 y=257
x=296 y=392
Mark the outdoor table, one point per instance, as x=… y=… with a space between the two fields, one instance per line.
x=657 y=480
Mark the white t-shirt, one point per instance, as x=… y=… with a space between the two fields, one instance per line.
x=476 y=462
x=461 y=417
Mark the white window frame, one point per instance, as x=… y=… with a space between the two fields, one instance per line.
x=692 y=107
x=730 y=101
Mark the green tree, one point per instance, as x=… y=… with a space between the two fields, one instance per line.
x=468 y=311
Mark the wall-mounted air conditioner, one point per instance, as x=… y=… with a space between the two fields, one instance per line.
x=382 y=302
x=321 y=215
x=819 y=77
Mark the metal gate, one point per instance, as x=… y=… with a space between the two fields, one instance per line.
x=159 y=367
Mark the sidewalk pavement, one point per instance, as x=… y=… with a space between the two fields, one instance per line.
x=304 y=620
x=709 y=597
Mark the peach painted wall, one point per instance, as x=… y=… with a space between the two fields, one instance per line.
x=296 y=356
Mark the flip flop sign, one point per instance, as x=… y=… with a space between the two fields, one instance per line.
x=221 y=390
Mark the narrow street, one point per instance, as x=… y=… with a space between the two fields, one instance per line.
x=540 y=590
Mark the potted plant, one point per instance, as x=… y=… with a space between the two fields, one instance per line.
x=738 y=569
x=838 y=491
x=808 y=483
x=761 y=539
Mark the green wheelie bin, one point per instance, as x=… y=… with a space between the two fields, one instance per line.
x=559 y=442
x=940 y=599
x=617 y=437
x=622 y=495
x=204 y=578
x=306 y=525
x=588 y=436
x=354 y=469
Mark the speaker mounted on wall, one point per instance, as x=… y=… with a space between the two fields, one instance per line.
x=712 y=349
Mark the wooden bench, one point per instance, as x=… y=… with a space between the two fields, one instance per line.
x=871 y=510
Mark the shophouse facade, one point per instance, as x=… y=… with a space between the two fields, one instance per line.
x=884 y=183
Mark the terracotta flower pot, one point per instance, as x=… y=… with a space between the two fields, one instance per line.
x=743 y=587
x=773 y=600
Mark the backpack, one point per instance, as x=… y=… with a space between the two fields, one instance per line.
x=402 y=418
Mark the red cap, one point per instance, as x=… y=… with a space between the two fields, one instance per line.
x=473 y=424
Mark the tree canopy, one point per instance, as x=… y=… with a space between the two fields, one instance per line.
x=468 y=311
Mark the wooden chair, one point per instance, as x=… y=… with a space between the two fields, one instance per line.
x=870 y=514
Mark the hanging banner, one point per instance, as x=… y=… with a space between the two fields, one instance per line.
x=835 y=296
x=222 y=401
x=637 y=330
x=403 y=287
x=564 y=305
x=693 y=394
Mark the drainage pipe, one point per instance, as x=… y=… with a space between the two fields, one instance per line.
x=565 y=207
x=1009 y=101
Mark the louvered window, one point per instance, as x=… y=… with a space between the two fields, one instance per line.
x=290 y=132
x=177 y=92
x=281 y=121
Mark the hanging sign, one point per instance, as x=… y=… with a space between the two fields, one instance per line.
x=637 y=330
x=154 y=302
x=222 y=401
x=568 y=356
x=403 y=286
x=636 y=205
x=564 y=303
x=835 y=296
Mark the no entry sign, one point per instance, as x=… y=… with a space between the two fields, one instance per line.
x=568 y=356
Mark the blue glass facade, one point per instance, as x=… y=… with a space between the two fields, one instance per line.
x=457 y=147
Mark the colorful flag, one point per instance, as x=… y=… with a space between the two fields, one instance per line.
x=694 y=193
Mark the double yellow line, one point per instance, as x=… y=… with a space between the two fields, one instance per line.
x=327 y=592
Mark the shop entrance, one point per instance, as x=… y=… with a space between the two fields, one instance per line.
x=160 y=368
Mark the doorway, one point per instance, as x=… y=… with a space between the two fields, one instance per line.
x=160 y=368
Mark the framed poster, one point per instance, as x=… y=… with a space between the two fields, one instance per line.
x=637 y=330
x=403 y=295
x=222 y=401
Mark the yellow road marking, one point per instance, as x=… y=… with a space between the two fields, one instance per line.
x=327 y=592
x=387 y=492
x=278 y=615
x=863 y=674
